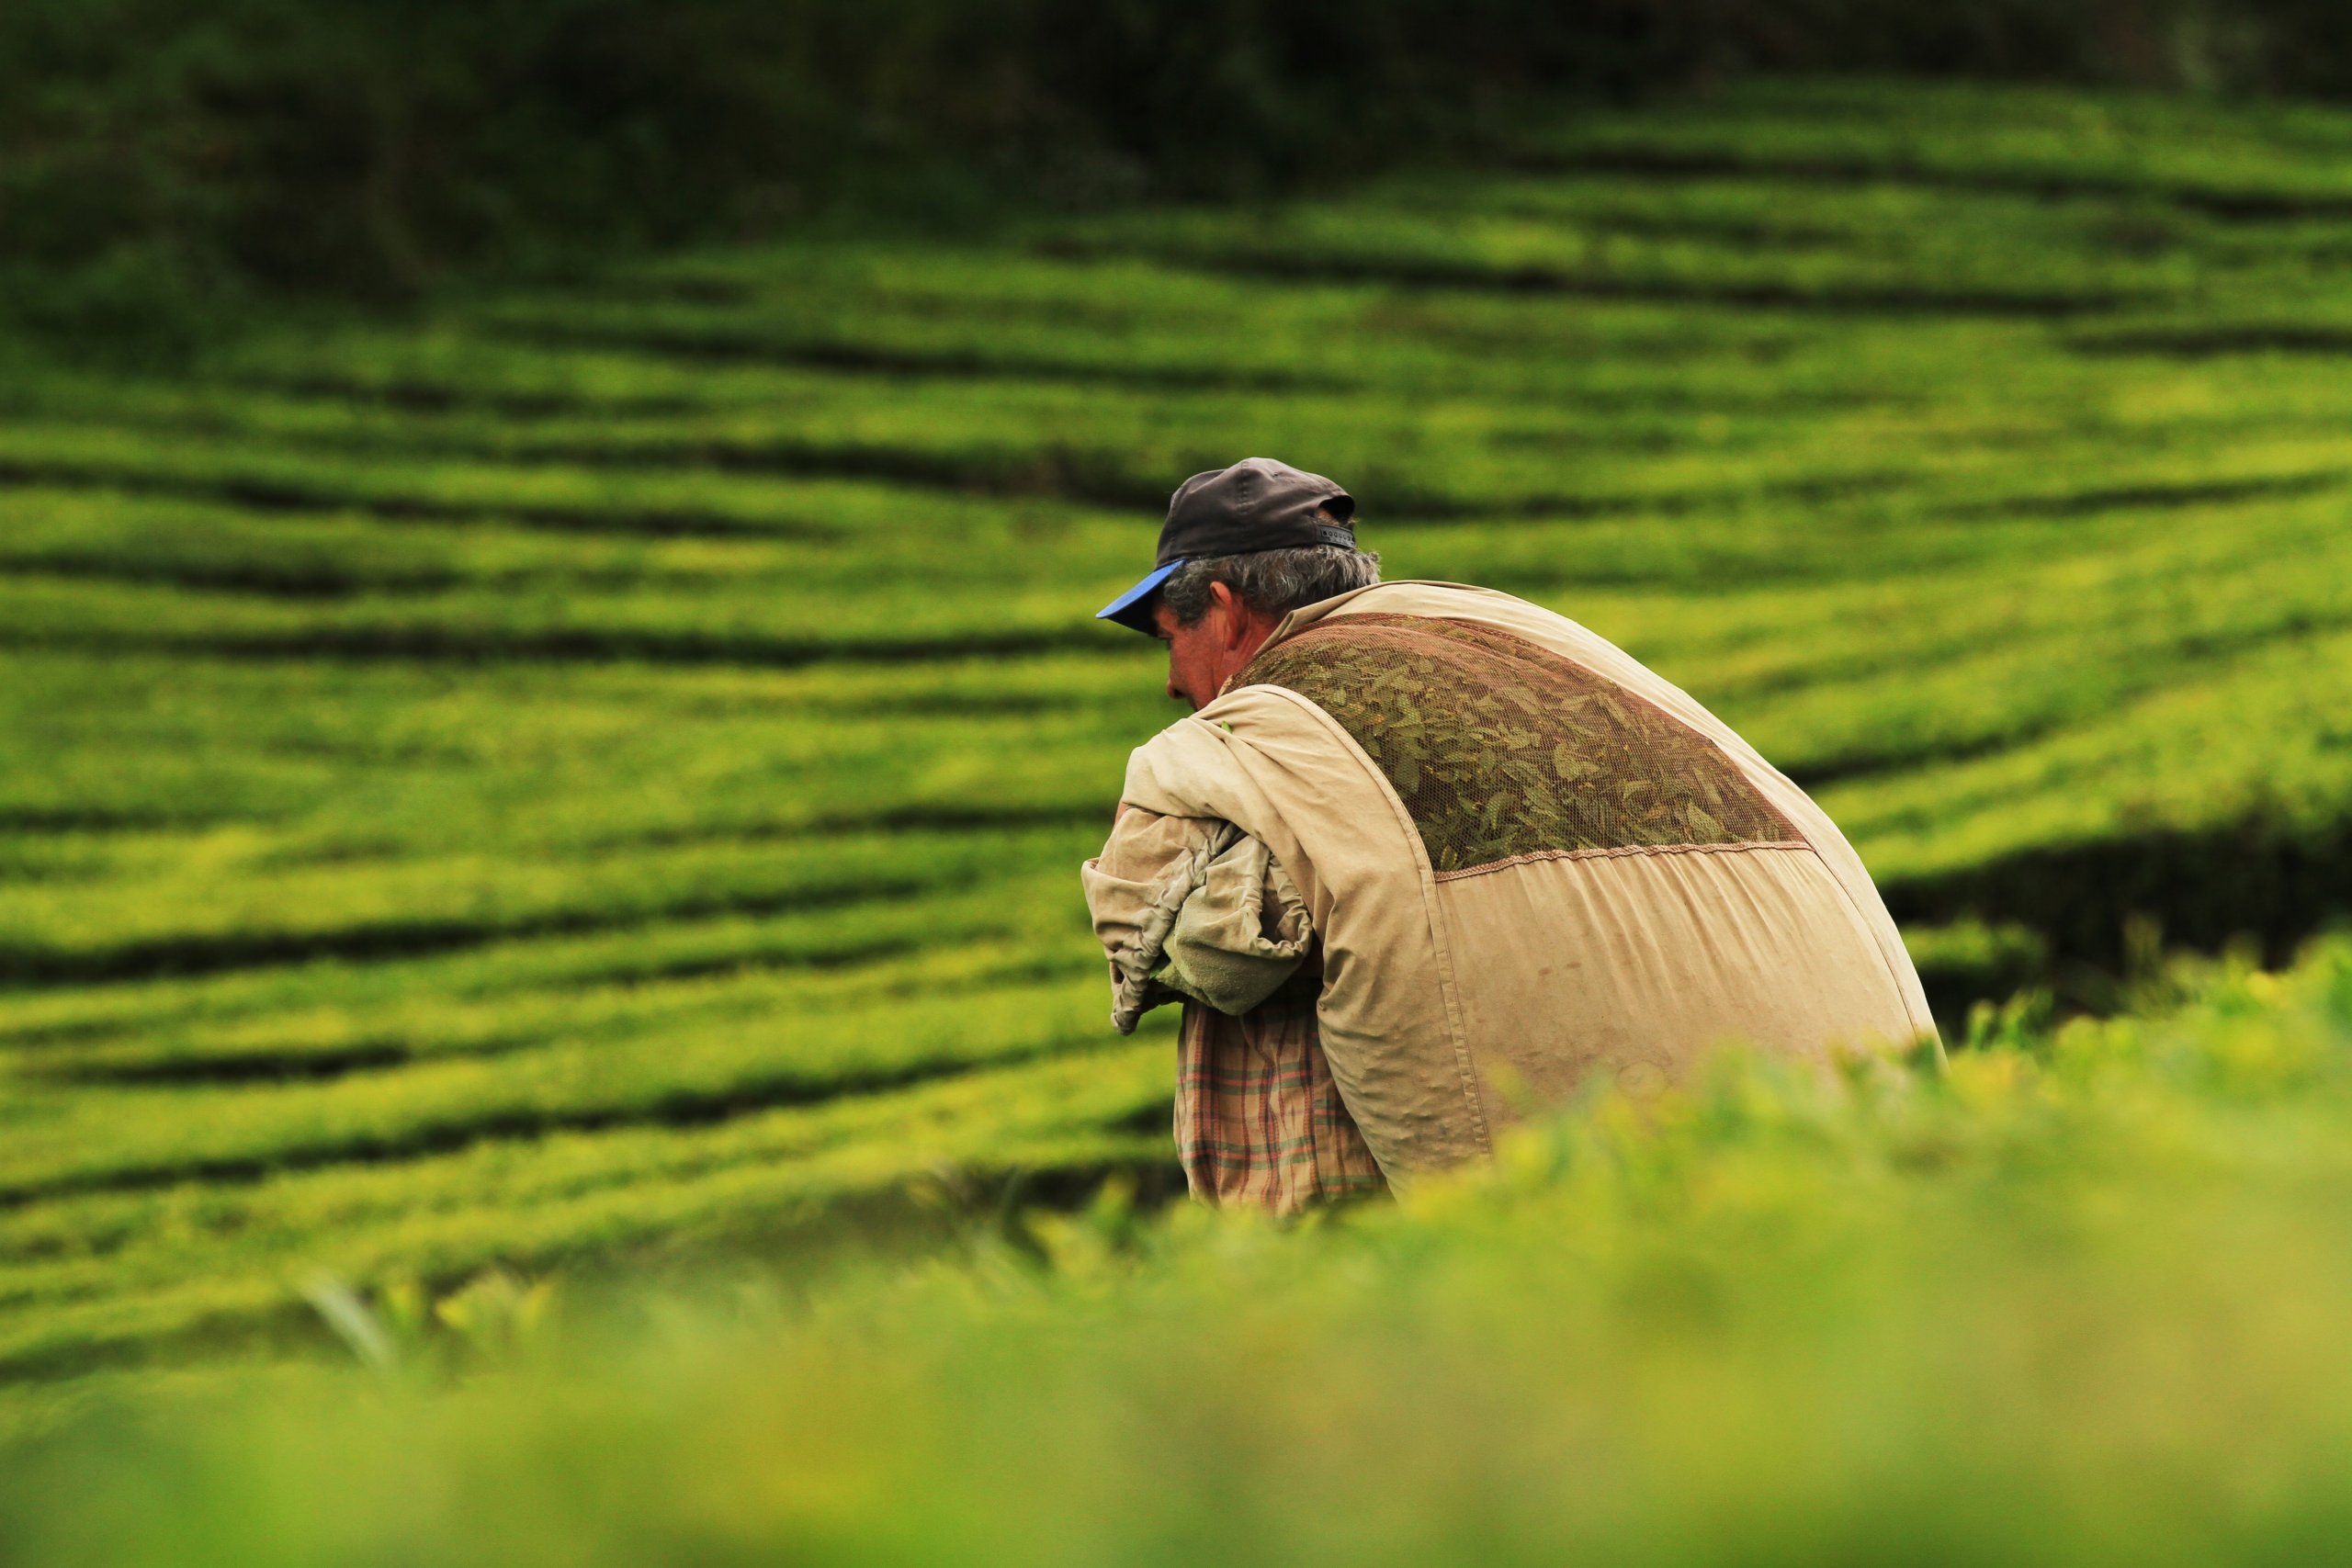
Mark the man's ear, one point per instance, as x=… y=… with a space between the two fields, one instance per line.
x=1237 y=614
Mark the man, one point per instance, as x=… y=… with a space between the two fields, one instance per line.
x=1426 y=855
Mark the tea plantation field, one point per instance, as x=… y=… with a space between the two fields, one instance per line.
x=588 y=769
x=2077 y=1299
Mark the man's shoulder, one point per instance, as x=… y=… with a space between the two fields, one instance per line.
x=1490 y=608
x=1410 y=596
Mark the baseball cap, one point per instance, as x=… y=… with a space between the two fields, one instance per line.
x=1256 y=505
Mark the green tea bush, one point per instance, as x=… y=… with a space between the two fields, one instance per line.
x=164 y=1272
x=2077 y=1300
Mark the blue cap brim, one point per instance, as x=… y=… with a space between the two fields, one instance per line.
x=1133 y=608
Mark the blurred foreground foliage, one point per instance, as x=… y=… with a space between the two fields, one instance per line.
x=161 y=160
x=2079 y=1300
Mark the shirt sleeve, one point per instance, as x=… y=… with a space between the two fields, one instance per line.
x=1133 y=889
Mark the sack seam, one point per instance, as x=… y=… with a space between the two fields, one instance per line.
x=1620 y=852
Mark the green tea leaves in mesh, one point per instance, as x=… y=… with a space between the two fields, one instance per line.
x=1503 y=750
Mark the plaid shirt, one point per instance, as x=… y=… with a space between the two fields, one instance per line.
x=1258 y=1118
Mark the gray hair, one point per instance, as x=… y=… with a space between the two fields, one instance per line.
x=1272 y=582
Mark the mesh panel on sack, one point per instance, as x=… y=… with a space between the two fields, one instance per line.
x=1501 y=750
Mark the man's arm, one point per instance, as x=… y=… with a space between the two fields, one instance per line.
x=1133 y=890
x=1191 y=906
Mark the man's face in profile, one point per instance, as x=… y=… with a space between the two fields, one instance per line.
x=1196 y=654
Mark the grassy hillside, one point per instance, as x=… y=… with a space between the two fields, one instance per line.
x=590 y=769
